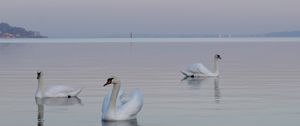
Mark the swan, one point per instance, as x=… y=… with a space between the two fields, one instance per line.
x=116 y=107
x=54 y=91
x=199 y=69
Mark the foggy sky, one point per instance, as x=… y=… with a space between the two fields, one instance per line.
x=89 y=18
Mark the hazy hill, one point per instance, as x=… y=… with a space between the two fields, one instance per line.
x=7 y=31
x=283 y=34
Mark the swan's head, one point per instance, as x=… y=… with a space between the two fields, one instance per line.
x=217 y=56
x=39 y=74
x=112 y=80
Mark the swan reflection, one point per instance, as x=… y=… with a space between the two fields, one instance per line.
x=40 y=102
x=217 y=90
x=40 y=117
x=196 y=82
x=120 y=123
x=58 y=101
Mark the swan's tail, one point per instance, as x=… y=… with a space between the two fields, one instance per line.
x=185 y=74
x=77 y=92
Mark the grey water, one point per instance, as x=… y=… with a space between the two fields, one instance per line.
x=259 y=81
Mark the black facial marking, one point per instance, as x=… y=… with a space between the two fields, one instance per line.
x=109 y=80
x=218 y=56
x=38 y=75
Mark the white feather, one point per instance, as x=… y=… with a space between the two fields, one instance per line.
x=198 y=68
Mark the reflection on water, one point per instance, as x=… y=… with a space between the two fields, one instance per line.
x=40 y=102
x=196 y=82
x=58 y=101
x=40 y=117
x=257 y=85
x=217 y=90
x=121 y=123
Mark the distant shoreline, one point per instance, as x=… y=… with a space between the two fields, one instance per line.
x=140 y=35
x=7 y=31
x=150 y=40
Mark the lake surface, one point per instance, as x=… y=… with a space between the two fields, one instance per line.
x=259 y=83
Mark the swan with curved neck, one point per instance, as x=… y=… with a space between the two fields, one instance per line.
x=53 y=91
x=199 y=69
x=114 y=107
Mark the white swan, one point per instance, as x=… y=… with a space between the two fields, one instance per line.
x=199 y=69
x=53 y=91
x=115 y=107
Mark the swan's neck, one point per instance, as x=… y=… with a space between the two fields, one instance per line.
x=40 y=90
x=216 y=63
x=113 y=98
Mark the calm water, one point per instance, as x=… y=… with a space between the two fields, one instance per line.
x=259 y=83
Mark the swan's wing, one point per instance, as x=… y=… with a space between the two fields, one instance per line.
x=198 y=68
x=105 y=102
x=120 y=100
x=133 y=105
x=61 y=91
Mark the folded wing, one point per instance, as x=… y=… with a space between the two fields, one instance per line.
x=133 y=105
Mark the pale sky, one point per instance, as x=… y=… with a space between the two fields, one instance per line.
x=89 y=18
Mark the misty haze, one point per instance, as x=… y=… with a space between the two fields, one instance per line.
x=149 y=62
